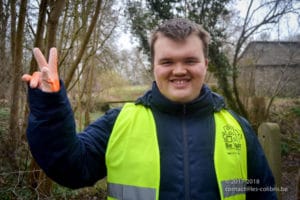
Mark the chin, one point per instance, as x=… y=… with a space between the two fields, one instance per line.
x=181 y=96
x=182 y=99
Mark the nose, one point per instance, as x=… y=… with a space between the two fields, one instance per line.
x=179 y=69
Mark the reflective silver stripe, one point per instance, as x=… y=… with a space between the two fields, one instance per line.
x=126 y=192
x=233 y=187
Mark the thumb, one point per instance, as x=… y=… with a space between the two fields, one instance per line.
x=26 y=78
x=45 y=74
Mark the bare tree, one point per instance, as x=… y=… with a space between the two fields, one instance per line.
x=270 y=12
x=39 y=32
x=268 y=69
x=84 y=44
x=17 y=36
x=4 y=65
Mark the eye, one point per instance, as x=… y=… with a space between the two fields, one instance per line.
x=166 y=62
x=191 y=61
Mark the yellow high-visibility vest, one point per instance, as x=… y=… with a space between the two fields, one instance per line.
x=133 y=159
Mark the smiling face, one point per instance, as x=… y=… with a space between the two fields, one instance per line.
x=179 y=67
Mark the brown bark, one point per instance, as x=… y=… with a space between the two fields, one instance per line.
x=17 y=55
x=63 y=29
x=4 y=64
x=89 y=96
x=56 y=8
x=39 y=32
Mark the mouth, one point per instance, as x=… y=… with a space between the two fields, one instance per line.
x=180 y=83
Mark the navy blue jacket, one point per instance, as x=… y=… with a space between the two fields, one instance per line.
x=185 y=135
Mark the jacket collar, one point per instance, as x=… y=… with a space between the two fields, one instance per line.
x=206 y=102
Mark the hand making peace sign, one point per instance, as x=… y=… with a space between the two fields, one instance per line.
x=47 y=78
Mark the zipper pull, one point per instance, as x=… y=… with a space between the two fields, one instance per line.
x=184 y=109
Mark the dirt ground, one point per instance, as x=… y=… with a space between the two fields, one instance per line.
x=291 y=177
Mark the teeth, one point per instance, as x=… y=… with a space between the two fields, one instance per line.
x=179 y=81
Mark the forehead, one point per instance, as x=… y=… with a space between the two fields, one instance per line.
x=167 y=47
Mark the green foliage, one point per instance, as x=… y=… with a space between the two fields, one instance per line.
x=142 y=22
x=290 y=144
x=291 y=141
x=296 y=111
x=284 y=148
x=4 y=115
x=144 y=16
x=219 y=65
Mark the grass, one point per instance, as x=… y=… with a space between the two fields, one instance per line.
x=124 y=93
x=296 y=111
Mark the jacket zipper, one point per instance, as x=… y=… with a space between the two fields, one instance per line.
x=185 y=155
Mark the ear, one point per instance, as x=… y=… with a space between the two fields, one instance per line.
x=206 y=62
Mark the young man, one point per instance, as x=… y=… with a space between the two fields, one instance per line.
x=177 y=141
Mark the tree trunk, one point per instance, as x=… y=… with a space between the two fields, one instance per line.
x=56 y=8
x=89 y=96
x=241 y=107
x=4 y=64
x=39 y=32
x=63 y=30
x=17 y=55
x=220 y=62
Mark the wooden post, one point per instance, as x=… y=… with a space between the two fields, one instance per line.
x=269 y=137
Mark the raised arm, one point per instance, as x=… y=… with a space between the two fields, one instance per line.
x=71 y=159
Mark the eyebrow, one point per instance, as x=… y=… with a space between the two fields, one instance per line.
x=192 y=58
x=164 y=59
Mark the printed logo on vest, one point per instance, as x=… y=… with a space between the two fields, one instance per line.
x=232 y=138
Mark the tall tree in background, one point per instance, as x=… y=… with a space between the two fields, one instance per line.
x=4 y=76
x=270 y=12
x=38 y=41
x=84 y=43
x=17 y=35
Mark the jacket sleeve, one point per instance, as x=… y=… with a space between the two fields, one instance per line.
x=72 y=160
x=260 y=183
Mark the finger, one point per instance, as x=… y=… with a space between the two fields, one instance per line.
x=46 y=80
x=26 y=78
x=45 y=74
x=50 y=84
x=35 y=79
x=40 y=58
x=53 y=60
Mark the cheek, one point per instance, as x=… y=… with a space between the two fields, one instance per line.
x=155 y=73
x=201 y=72
x=160 y=73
